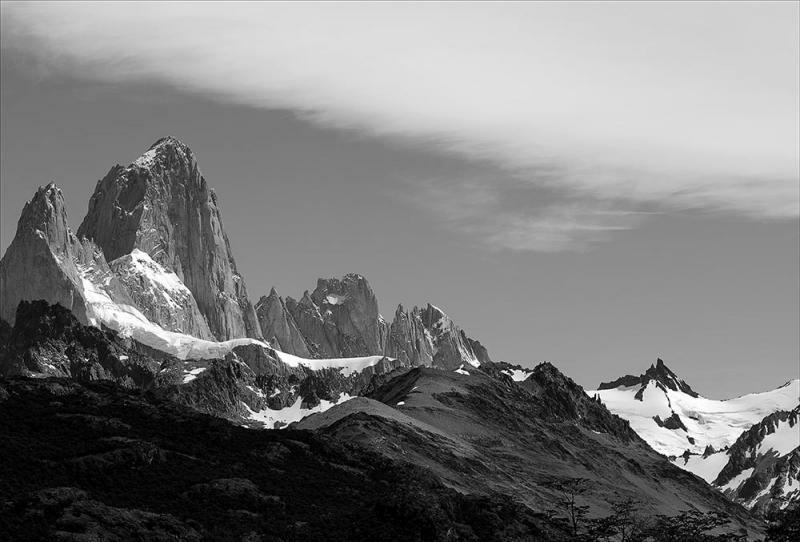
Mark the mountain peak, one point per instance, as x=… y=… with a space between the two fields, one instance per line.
x=46 y=214
x=162 y=205
x=658 y=373
x=166 y=151
x=664 y=375
x=169 y=141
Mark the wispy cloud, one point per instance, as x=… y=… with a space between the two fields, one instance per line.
x=673 y=105
x=483 y=212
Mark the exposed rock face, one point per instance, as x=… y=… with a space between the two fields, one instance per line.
x=340 y=318
x=278 y=326
x=162 y=205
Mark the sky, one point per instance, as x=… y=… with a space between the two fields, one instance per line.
x=591 y=184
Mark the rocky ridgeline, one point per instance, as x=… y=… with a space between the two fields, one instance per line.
x=340 y=319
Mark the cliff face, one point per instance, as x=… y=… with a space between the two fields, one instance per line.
x=162 y=205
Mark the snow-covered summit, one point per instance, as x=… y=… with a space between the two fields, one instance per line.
x=658 y=373
x=698 y=433
x=672 y=418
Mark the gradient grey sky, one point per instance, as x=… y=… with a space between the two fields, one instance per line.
x=594 y=184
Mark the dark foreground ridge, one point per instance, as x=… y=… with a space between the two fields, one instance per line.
x=93 y=461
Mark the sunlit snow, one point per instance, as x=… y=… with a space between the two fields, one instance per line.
x=269 y=417
x=517 y=375
x=708 y=421
x=346 y=366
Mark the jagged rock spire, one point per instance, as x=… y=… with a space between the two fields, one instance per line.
x=279 y=327
x=40 y=262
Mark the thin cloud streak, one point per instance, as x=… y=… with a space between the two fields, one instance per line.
x=680 y=105
x=480 y=211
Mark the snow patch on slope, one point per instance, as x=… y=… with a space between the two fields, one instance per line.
x=517 y=375
x=784 y=440
x=346 y=366
x=707 y=468
x=276 y=419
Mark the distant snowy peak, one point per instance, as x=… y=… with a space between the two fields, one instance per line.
x=658 y=373
x=674 y=419
x=746 y=446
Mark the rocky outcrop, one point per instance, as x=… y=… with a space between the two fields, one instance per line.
x=47 y=340
x=278 y=326
x=162 y=205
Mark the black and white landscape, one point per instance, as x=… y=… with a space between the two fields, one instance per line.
x=151 y=389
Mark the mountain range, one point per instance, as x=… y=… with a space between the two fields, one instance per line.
x=146 y=299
